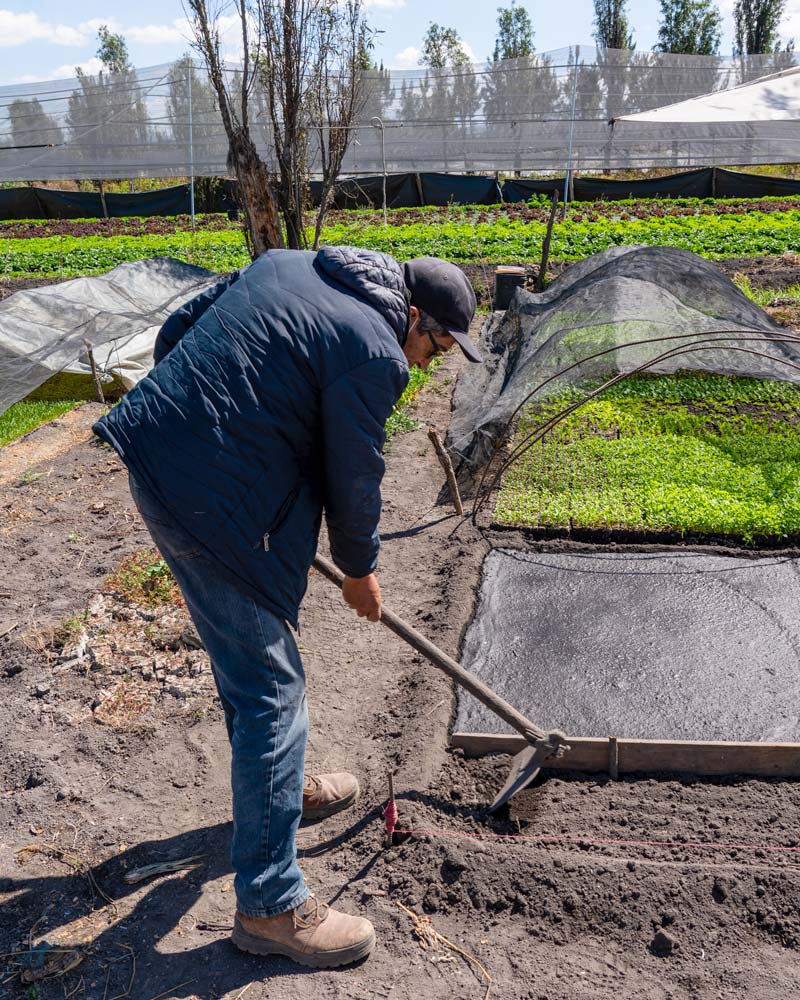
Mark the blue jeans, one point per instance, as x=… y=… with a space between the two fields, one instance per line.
x=261 y=684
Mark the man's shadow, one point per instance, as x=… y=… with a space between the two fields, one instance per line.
x=200 y=961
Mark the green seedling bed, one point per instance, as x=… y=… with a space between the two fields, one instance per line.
x=692 y=455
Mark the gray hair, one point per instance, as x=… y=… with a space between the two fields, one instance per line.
x=427 y=324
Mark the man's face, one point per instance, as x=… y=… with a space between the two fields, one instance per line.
x=422 y=347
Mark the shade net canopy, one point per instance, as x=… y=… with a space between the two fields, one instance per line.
x=762 y=116
x=774 y=98
x=549 y=111
x=46 y=331
x=589 y=326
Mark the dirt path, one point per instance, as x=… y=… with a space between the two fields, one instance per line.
x=549 y=920
x=126 y=796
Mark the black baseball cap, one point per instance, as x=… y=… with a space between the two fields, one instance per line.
x=444 y=292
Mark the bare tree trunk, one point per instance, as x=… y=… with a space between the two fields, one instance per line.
x=255 y=186
x=263 y=228
x=324 y=205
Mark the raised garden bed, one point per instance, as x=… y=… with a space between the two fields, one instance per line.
x=687 y=455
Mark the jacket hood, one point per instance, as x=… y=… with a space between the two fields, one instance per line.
x=375 y=277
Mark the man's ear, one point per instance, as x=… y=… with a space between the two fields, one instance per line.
x=413 y=316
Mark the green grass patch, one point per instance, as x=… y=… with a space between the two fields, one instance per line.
x=27 y=415
x=693 y=454
x=144 y=578
x=401 y=419
x=764 y=296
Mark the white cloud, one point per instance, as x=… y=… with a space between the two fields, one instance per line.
x=92 y=26
x=158 y=34
x=66 y=72
x=407 y=58
x=385 y=4
x=19 y=29
x=230 y=37
x=93 y=66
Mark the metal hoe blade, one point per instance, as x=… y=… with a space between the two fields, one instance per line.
x=526 y=765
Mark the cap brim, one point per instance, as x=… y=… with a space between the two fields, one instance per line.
x=468 y=348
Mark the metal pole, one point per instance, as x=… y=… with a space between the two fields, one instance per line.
x=191 y=148
x=568 y=176
x=378 y=123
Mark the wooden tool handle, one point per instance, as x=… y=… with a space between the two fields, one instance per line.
x=443 y=662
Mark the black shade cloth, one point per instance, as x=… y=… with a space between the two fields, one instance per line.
x=709 y=182
x=450 y=189
x=523 y=189
x=732 y=184
x=402 y=191
x=49 y=203
x=19 y=203
x=691 y=184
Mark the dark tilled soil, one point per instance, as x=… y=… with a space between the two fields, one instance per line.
x=10 y=285
x=87 y=794
x=764 y=272
x=66 y=519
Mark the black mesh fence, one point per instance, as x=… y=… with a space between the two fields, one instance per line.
x=402 y=191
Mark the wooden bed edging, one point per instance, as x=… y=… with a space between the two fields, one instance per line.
x=764 y=760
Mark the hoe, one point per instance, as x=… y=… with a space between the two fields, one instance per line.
x=542 y=746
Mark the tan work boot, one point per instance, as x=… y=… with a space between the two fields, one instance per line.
x=326 y=794
x=312 y=934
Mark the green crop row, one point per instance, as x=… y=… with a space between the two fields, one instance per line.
x=693 y=455
x=512 y=240
x=497 y=241
x=68 y=256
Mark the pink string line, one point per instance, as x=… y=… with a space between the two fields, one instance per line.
x=551 y=838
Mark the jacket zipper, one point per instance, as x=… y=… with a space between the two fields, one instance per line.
x=280 y=517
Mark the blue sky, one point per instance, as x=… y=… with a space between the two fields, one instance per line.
x=45 y=39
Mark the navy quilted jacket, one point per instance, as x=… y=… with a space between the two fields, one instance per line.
x=267 y=405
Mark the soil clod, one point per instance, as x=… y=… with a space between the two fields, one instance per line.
x=663 y=943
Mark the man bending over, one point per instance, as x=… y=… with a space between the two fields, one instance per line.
x=267 y=407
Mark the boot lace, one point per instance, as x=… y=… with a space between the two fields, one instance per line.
x=314 y=912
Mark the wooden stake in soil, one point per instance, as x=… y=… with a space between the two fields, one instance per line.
x=540 y=279
x=390 y=832
x=613 y=758
x=447 y=465
x=98 y=387
x=102 y=188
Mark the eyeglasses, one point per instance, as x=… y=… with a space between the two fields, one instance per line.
x=438 y=349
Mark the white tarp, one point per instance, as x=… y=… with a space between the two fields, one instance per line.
x=772 y=98
x=44 y=331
